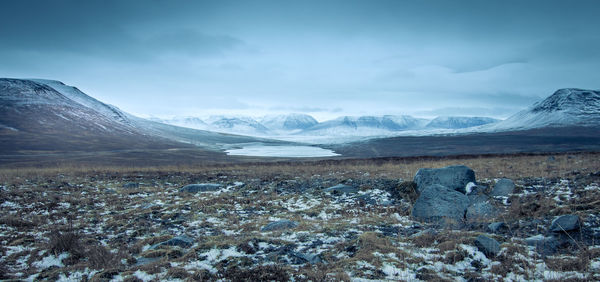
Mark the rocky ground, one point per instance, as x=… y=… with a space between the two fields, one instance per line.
x=310 y=221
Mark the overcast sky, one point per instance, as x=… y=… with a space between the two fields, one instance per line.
x=325 y=58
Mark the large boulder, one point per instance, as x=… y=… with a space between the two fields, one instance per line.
x=568 y=222
x=454 y=177
x=503 y=187
x=440 y=204
x=202 y=187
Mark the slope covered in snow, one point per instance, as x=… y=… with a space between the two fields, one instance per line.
x=49 y=115
x=455 y=122
x=289 y=122
x=76 y=95
x=365 y=125
x=566 y=107
x=237 y=125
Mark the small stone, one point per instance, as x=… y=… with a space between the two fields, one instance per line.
x=487 y=246
x=342 y=189
x=543 y=245
x=569 y=222
x=182 y=241
x=203 y=187
x=481 y=211
x=497 y=227
x=503 y=187
x=131 y=185
x=279 y=225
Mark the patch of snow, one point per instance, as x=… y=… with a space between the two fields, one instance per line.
x=144 y=276
x=469 y=187
x=394 y=273
x=51 y=260
x=9 y=204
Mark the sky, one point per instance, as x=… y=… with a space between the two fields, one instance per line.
x=324 y=58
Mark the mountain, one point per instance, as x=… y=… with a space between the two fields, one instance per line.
x=189 y=122
x=49 y=116
x=289 y=122
x=459 y=122
x=237 y=125
x=36 y=117
x=566 y=107
x=365 y=125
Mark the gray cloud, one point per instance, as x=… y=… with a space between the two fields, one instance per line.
x=362 y=57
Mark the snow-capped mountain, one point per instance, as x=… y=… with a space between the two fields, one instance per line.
x=76 y=95
x=566 y=107
x=237 y=125
x=454 y=122
x=289 y=122
x=49 y=115
x=365 y=125
x=189 y=122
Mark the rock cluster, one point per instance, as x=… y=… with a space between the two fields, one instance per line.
x=450 y=195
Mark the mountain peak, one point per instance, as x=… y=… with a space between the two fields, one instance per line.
x=570 y=99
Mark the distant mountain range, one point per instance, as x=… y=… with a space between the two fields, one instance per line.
x=306 y=125
x=49 y=116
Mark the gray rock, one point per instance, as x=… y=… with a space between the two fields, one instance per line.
x=503 y=187
x=440 y=204
x=497 y=227
x=366 y=199
x=487 y=246
x=568 y=222
x=299 y=258
x=143 y=261
x=477 y=190
x=453 y=177
x=182 y=241
x=279 y=225
x=342 y=189
x=131 y=185
x=480 y=211
x=543 y=245
x=203 y=187
x=478 y=198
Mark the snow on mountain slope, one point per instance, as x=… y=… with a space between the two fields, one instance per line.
x=364 y=125
x=189 y=122
x=237 y=125
x=76 y=95
x=454 y=122
x=566 y=107
x=17 y=92
x=37 y=118
x=289 y=122
x=89 y=110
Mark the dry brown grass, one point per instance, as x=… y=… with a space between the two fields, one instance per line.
x=511 y=166
x=511 y=260
x=531 y=206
